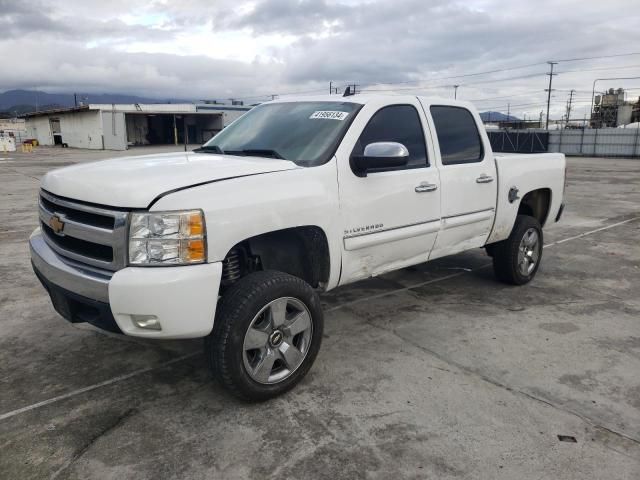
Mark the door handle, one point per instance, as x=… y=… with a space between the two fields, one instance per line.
x=484 y=179
x=426 y=187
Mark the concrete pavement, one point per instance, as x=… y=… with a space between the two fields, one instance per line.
x=437 y=371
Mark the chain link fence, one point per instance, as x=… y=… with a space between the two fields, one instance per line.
x=519 y=141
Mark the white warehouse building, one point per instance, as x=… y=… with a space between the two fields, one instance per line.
x=120 y=126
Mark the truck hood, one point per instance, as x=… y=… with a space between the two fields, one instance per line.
x=134 y=182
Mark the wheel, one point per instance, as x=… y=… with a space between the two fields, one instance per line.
x=516 y=259
x=266 y=335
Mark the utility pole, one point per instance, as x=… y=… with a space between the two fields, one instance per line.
x=330 y=88
x=75 y=99
x=569 y=105
x=551 y=74
x=509 y=112
x=455 y=91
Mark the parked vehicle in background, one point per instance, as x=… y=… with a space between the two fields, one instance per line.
x=297 y=197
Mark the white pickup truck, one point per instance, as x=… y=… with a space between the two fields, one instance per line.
x=297 y=197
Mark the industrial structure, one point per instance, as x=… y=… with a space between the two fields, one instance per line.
x=119 y=126
x=611 y=109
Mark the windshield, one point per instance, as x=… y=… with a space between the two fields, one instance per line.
x=306 y=133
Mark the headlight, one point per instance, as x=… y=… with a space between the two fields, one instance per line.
x=167 y=238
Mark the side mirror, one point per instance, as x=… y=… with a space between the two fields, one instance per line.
x=379 y=155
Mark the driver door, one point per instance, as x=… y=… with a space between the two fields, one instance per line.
x=390 y=217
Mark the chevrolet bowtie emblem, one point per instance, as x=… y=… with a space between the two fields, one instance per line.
x=56 y=224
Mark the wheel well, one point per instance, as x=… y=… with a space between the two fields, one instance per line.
x=536 y=204
x=300 y=251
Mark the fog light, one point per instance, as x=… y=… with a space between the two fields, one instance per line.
x=148 y=322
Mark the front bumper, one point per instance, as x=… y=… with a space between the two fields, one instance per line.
x=182 y=299
x=77 y=308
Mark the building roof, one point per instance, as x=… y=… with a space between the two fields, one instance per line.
x=80 y=108
x=142 y=108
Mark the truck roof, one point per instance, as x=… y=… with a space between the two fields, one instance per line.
x=363 y=99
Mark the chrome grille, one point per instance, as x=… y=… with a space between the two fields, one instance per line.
x=91 y=235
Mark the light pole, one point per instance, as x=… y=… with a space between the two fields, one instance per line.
x=455 y=91
x=593 y=90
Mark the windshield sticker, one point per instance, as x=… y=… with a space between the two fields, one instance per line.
x=330 y=115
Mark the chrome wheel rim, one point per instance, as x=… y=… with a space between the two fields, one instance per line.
x=529 y=252
x=277 y=340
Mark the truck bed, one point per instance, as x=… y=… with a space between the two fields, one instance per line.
x=526 y=172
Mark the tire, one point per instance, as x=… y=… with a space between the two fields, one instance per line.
x=266 y=310
x=517 y=259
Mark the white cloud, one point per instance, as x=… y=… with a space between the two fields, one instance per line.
x=205 y=49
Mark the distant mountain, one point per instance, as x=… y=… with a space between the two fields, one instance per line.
x=497 y=117
x=24 y=101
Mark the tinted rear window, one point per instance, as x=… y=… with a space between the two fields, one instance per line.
x=457 y=134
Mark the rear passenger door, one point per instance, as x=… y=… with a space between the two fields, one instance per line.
x=467 y=176
x=391 y=217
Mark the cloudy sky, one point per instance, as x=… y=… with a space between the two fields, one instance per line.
x=252 y=49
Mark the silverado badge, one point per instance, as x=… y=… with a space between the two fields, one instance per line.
x=56 y=224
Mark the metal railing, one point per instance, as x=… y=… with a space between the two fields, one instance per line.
x=596 y=142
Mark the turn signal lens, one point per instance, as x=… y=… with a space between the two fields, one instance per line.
x=194 y=251
x=195 y=224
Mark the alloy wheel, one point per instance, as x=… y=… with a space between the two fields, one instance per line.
x=277 y=340
x=529 y=252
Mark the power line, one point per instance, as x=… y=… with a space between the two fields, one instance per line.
x=530 y=106
x=599 y=68
x=467 y=75
x=598 y=57
x=317 y=90
x=531 y=92
x=506 y=69
x=487 y=72
x=420 y=88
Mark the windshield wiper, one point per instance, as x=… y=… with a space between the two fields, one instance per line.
x=256 y=152
x=209 y=149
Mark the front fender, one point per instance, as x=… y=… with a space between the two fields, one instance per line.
x=241 y=208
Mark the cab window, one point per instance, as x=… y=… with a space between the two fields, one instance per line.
x=396 y=123
x=458 y=135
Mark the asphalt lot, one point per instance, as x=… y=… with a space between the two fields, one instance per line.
x=436 y=371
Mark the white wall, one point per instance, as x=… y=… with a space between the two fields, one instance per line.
x=78 y=129
x=231 y=116
x=81 y=129
x=114 y=131
x=38 y=128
